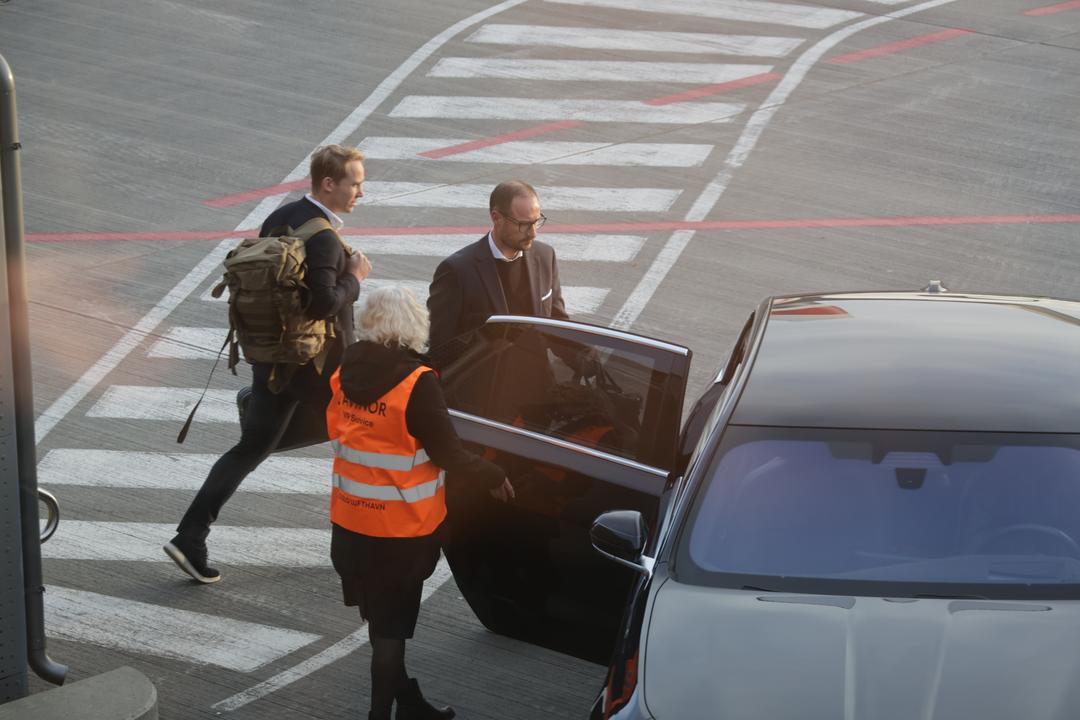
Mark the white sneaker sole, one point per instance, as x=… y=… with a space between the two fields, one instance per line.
x=184 y=564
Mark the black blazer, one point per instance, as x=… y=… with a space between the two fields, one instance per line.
x=466 y=290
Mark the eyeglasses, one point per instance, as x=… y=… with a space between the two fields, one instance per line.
x=524 y=225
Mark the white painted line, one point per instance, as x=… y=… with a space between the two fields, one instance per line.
x=578 y=299
x=178 y=471
x=583 y=300
x=143 y=402
x=527 y=152
x=755 y=11
x=229 y=545
x=634 y=40
x=64 y=404
x=190 y=343
x=596 y=199
x=737 y=157
x=347 y=645
x=594 y=70
x=540 y=110
x=129 y=626
x=568 y=248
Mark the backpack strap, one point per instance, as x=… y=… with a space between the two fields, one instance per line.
x=316 y=225
x=187 y=424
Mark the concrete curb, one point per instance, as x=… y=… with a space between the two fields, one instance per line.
x=120 y=694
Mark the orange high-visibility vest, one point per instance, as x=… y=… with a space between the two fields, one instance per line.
x=384 y=484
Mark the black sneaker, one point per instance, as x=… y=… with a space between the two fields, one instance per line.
x=191 y=560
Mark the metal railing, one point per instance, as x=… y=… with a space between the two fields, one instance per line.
x=11 y=201
x=52 y=507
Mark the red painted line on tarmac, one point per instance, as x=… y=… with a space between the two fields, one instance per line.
x=257 y=194
x=804 y=223
x=133 y=236
x=499 y=139
x=717 y=88
x=714 y=89
x=639 y=227
x=898 y=46
x=1052 y=9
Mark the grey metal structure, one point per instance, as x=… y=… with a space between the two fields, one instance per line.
x=22 y=641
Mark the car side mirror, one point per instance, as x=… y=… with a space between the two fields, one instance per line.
x=621 y=535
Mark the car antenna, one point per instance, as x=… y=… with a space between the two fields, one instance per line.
x=935 y=287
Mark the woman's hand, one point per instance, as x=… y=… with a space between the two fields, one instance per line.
x=504 y=492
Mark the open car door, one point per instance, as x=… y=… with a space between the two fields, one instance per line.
x=584 y=419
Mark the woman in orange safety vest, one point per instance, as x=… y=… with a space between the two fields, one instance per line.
x=392 y=440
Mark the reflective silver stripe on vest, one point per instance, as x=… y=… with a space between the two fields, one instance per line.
x=382 y=461
x=416 y=493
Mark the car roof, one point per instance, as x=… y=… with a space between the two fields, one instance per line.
x=937 y=361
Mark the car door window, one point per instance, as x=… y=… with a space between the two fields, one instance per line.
x=582 y=419
x=591 y=386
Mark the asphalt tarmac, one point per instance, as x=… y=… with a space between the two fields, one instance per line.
x=693 y=156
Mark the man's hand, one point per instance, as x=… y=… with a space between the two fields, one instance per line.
x=358 y=265
x=504 y=492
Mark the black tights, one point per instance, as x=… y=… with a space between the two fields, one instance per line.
x=387 y=673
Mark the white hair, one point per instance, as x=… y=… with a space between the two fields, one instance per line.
x=392 y=316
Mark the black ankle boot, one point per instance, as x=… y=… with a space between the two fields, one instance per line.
x=411 y=705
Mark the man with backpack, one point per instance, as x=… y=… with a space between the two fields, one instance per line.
x=329 y=275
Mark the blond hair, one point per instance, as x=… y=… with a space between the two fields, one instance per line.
x=329 y=161
x=392 y=316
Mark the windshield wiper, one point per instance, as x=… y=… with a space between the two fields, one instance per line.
x=945 y=596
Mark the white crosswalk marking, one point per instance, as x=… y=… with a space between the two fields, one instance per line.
x=540 y=109
x=635 y=40
x=533 y=152
x=568 y=247
x=594 y=70
x=756 y=11
x=579 y=300
x=600 y=199
x=177 y=471
x=232 y=545
x=142 y=402
x=190 y=343
x=191 y=637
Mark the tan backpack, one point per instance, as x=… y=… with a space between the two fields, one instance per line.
x=266 y=281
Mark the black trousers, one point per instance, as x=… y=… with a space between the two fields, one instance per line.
x=266 y=418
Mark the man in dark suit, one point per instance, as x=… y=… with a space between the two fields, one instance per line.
x=506 y=272
x=333 y=278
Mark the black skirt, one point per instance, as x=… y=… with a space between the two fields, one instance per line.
x=384 y=577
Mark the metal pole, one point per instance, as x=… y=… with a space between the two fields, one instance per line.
x=10 y=180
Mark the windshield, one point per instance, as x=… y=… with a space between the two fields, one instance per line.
x=871 y=512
